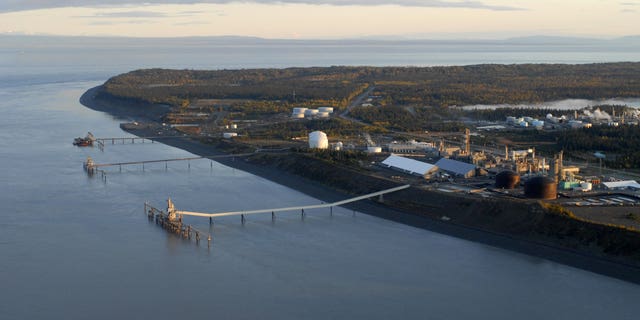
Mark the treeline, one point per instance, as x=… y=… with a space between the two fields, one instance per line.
x=408 y=119
x=622 y=141
x=334 y=127
x=417 y=86
x=162 y=85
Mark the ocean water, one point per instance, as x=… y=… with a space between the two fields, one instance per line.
x=77 y=247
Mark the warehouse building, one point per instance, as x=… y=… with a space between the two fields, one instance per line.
x=457 y=168
x=410 y=166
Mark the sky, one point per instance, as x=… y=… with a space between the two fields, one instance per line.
x=323 y=19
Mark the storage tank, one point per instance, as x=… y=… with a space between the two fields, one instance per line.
x=298 y=116
x=537 y=123
x=229 y=135
x=299 y=110
x=586 y=186
x=326 y=109
x=318 y=140
x=540 y=188
x=374 y=149
x=323 y=114
x=507 y=180
x=310 y=112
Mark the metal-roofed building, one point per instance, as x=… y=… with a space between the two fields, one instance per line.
x=629 y=184
x=457 y=168
x=411 y=166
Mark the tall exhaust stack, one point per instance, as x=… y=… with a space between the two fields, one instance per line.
x=467 y=142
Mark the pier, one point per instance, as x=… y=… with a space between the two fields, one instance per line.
x=171 y=220
x=172 y=223
x=91 y=167
x=180 y=213
x=101 y=142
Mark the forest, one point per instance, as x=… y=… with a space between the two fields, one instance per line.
x=399 y=86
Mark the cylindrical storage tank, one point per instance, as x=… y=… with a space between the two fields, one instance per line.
x=586 y=186
x=311 y=112
x=326 y=109
x=323 y=114
x=234 y=126
x=374 y=149
x=298 y=116
x=537 y=123
x=540 y=188
x=318 y=140
x=229 y=135
x=299 y=110
x=507 y=180
x=339 y=146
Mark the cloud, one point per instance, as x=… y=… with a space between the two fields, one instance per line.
x=111 y=23
x=21 y=5
x=128 y=14
x=137 y=14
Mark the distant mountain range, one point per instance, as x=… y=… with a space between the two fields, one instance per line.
x=8 y=40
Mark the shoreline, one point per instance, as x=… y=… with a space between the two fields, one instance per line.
x=578 y=259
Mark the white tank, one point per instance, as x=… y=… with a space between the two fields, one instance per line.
x=318 y=140
x=338 y=146
x=298 y=116
x=299 y=110
x=374 y=149
x=229 y=135
x=326 y=109
x=323 y=114
x=586 y=186
x=234 y=126
x=537 y=123
x=311 y=112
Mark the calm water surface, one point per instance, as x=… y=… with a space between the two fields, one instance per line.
x=74 y=247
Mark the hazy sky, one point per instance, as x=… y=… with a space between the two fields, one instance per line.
x=322 y=18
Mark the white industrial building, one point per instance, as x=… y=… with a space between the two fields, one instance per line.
x=410 y=166
x=621 y=185
x=457 y=168
x=318 y=140
x=410 y=146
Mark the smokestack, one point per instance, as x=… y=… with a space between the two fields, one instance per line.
x=467 y=142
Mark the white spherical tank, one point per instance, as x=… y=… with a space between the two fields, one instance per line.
x=318 y=140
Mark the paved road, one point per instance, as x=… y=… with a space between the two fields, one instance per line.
x=356 y=102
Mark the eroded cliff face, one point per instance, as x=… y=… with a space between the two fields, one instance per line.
x=527 y=220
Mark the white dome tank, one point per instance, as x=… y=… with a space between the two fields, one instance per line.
x=318 y=140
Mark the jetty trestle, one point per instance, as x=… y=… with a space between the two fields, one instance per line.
x=302 y=209
x=91 y=167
